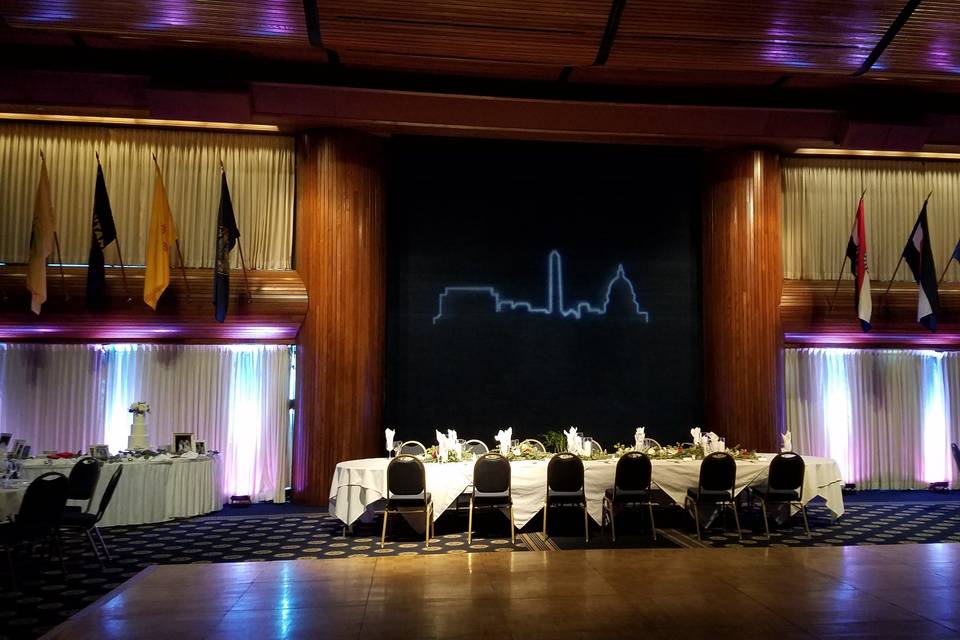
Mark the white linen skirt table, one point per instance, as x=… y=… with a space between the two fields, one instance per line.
x=150 y=491
x=357 y=484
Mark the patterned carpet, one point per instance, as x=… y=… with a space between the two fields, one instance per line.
x=44 y=599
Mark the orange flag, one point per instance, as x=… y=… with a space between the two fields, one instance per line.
x=41 y=240
x=161 y=236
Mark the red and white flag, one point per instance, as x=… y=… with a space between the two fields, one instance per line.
x=857 y=252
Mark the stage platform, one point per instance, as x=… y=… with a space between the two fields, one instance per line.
x=895 y=591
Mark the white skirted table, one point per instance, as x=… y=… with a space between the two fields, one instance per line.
x=357 y=484
x=148 y=491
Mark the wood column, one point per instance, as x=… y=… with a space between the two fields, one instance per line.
x=742 y=281
x=339 y=252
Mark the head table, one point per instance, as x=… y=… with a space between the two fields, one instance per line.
x=148 y=491
x=357 y=484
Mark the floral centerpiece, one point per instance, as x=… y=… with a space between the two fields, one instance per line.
x=139 y=408
x=685 y=452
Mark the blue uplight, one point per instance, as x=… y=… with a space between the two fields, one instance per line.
x=555 y=304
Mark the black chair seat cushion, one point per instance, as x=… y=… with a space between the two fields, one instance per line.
x=565 y=497
x=409 y=502
x=481 y=498
x=78 y=519
x=709 y=495
x=778 y=495
x=626 y=497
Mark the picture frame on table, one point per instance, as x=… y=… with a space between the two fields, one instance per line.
x=182 y=442
x=5 y=440
x=99 y=451
x=17 y=451
x=200 y=446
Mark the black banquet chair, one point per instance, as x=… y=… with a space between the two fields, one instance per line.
x=83 y=481
x=718 y=480
x=491 y=489
x=87 y=522
x=407 y=492
x=565 y=488
x=632 y=487
x=38 y=519
x=784 y=486
x=955 y=450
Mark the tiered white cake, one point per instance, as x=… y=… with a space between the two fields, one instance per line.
x=138 y=433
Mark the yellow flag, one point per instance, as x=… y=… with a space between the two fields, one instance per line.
x=162 y=235
x=41 y=241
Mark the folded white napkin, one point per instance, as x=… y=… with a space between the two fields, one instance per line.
x=638 y=437
x=190 y=455
x=787 y=442
x=504 y=436
x=442 y=447
x=573 y=441
x=388 y=434
x=695 y=437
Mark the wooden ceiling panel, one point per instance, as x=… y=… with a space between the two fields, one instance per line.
x=815 y=36
x=928 y=44
x=210 y=21
x=452 y=67
x=553 y=32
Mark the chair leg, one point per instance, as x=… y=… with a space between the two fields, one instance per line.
x=546 y=506
x=470 y=523
x=653 y=525
x=766 y=523
x=806 y=525
x=736 y=519
x=103 y=544
x=13 y=570
x=93 y=545
x=58 y=546
x=426 y=522
x=696 y=519
x=383 y=534
x=513 y=527
x=586 y=524
x=613 y=523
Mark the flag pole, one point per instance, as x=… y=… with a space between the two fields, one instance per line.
x=123 y=271
x=947 y=266
x=56 y=240
x=183 y=267
x=845 y=256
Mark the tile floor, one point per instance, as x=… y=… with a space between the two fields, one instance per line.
x=897 y=591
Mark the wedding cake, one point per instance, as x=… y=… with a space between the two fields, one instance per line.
x=138 y=430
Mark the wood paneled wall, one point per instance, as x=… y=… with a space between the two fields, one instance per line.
x=278 y=302
x=339 y=251
x=742 y=280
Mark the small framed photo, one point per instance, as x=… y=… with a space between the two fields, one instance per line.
x=5 y=440
x=18 y=446
x=182 y=442
x=99 y=451
x=200 y=446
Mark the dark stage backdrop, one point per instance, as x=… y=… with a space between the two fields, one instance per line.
x=539 y=286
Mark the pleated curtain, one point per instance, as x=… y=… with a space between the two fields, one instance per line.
x=235 y=398
x=884 y=415
x=820 y=198
x=260 y=172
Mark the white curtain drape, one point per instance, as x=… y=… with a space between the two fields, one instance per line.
x=232 y=397
x=820 y=198
x=51 y=395
x=882 y=414
x=260 y=173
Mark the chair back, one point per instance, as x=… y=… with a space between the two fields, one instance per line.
x=44 y=501
x=634 y=472
x=786 y=472
x=491 y=474
x=476 y=447
x=956 y=454
x=412 y=448
x=108 y=492
x=565 y=473
x=406 y=477
x=83 y=478
x=718 y=472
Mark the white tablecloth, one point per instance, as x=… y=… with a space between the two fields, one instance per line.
x=148 y=491
x=359 y=483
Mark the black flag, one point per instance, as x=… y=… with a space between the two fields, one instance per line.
x=919 y=257
x=104 y=232
x=227 y=234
